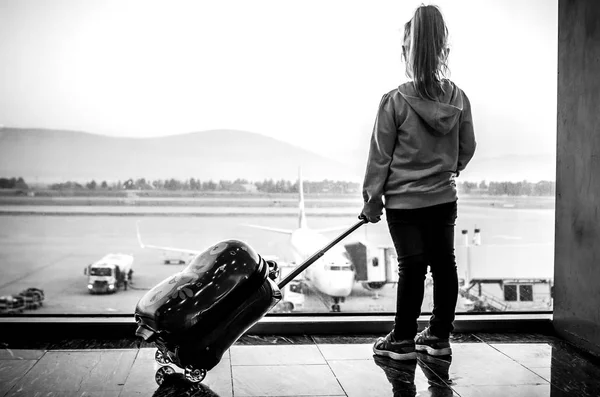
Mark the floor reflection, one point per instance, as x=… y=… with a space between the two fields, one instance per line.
x=436 y=369
x=282 y=367
x=574 y=372
x=401 y=375
x=176 y=385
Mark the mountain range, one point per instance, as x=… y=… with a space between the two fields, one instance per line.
x=46 y=156
x=49 y=156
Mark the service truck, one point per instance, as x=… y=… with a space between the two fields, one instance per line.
x=111 y=272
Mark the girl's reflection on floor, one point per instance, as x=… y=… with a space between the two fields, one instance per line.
x=401 y=374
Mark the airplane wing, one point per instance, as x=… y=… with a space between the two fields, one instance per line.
x=270 y=258
x=332 y=229
x=271 y=229
x=170 y=249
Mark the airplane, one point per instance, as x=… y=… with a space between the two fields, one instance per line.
x=333 y=275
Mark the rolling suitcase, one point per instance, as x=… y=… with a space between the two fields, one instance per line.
x=194 y=316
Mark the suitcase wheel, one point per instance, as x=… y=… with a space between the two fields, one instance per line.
x=273 y=270
x=161 y=358
x=161 y=373
x=194 y=375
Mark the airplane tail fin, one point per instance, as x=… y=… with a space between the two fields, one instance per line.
x=139 y=237
x=302 y=224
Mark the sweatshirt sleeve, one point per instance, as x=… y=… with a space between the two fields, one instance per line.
x=381 y=149
x=466 y=136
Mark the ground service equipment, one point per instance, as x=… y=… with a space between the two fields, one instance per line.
x=110 y=273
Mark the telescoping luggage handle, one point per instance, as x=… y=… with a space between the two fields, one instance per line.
x=319 y=254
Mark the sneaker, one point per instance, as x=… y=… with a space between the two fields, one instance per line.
x=396 y=350
x=426 y=342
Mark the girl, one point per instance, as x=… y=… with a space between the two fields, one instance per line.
x=422 y=138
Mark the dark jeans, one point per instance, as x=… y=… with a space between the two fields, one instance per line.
x=422 y=237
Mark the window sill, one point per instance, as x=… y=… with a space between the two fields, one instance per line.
x=116 y=327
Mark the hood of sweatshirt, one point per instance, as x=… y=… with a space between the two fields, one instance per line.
x=440 y=115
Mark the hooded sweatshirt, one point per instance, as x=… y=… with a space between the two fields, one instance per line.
x=417 y=148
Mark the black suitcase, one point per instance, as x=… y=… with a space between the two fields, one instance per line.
x=194 y=316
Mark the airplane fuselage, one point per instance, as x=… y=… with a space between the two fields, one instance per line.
x=333 y=273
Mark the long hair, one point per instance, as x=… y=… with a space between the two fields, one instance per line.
x=428 y=53
x=406 y=42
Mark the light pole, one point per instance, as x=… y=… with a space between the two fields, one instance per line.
x=465 y=234
x=477 y=236
x=476 y=241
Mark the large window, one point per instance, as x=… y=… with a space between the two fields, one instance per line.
x=138 y=128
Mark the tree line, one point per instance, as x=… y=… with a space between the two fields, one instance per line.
x=13 y=183
x=523 y=188
x=192 y=184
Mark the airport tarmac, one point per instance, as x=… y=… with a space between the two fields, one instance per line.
x=51 y=252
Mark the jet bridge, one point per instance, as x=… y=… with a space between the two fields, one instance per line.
x=374 y=267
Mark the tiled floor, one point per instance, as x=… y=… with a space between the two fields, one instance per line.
x=481 y=365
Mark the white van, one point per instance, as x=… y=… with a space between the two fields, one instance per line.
x=110 y=273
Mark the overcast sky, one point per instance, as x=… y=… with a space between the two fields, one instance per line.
x=308 y=72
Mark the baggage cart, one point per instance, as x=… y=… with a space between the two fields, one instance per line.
x=12 y=304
